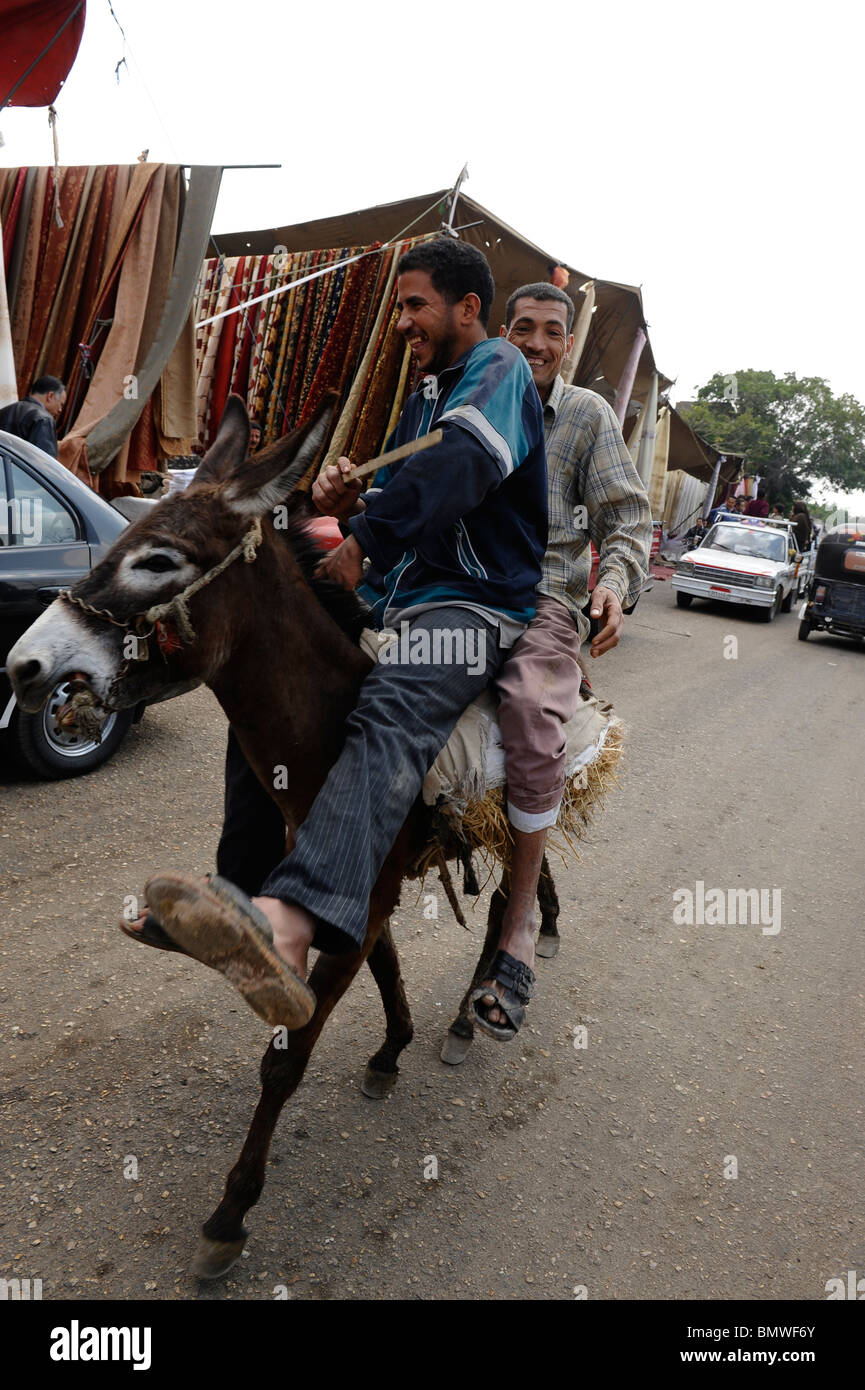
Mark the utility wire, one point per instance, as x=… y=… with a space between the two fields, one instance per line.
x=143 y=81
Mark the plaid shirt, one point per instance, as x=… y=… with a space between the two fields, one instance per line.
x=589 y=465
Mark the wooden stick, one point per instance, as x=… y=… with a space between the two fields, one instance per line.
x=414 y=446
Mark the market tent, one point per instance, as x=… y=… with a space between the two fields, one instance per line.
x=515 y=261
x=692 y=454
x=617 y=319
x=40 y=41
x=691 y=464
x=684 y=500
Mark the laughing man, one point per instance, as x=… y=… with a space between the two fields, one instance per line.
x=588 y=467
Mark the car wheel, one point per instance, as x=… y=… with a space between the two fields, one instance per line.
x=769 y=615
x=804 y=630
x=53 y=753
x=684 y=600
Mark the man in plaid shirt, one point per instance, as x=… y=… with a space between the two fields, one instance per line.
x=595 y=494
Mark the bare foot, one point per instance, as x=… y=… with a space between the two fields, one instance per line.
x=293 y=930
x=517 y=937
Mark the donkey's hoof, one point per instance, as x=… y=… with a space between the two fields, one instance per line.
x=547 y=946
x=455 y=1049
x=378 y=1084
x=214 y=1257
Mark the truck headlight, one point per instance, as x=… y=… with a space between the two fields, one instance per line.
x=764 y=581
x=685 y=567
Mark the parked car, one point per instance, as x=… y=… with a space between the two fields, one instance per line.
x=835 y=597
x=747 y=560
x=53 y=529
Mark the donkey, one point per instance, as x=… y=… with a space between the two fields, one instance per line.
x=278 y=647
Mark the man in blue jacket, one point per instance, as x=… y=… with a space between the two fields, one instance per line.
x=455 y=539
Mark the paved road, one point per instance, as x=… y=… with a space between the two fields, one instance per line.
x=602 y=1167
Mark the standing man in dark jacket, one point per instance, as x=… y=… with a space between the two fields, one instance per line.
x=34 y=417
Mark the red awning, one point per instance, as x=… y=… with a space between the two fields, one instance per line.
x=44 y=35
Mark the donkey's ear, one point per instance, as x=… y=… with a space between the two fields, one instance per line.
x=230 y=446
x=269 y=477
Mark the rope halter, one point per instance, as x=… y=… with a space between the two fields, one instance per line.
x=175 y=610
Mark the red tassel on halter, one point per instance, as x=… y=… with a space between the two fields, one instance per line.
x=166 y=636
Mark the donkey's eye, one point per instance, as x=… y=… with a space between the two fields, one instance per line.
x=157 y=564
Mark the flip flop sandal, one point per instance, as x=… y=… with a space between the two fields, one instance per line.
x=217 y=924
x=517 y=981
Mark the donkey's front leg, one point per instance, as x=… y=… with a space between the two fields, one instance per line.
x=282 y=1066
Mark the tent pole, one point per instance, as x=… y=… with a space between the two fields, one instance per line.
x=629 y=372
x=581 y=332
x=709 y=500
x=644 y=461
x=449 y=227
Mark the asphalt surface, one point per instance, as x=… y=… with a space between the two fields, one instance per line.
x=606 y=1167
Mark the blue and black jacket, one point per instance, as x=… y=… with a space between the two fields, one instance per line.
x=465 y=522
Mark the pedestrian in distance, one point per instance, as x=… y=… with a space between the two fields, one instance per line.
x=34 y=418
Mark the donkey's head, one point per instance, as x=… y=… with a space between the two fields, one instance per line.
x=153 y=615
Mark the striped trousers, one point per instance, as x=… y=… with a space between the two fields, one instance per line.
x=405 y=713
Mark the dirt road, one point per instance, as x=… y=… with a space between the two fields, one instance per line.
x=707 y=1142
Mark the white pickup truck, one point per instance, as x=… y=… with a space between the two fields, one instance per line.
x=744 y=560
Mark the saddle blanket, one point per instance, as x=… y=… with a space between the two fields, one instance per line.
x=472 y=761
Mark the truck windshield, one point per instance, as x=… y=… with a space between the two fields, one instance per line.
x=743 y=540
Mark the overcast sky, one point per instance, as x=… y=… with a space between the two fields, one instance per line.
x=710 y=153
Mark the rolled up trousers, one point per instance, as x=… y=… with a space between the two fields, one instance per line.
x=538 y=687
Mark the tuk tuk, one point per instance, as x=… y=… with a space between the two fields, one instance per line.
x=835 y=599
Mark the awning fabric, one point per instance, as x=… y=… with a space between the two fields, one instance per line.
x=28 y=29
x=514 y=261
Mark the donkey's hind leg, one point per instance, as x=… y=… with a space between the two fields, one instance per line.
x=381 y=1069
x=462 y=1031
x=547 y=944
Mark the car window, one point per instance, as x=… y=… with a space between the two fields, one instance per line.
x=36 y=516
x=778 y=548
x=741 y=540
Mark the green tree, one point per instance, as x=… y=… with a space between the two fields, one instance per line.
x=794 y=431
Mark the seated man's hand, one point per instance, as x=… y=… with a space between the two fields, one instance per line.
x=344 y=565
x=606 y=607
x=332 y=495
